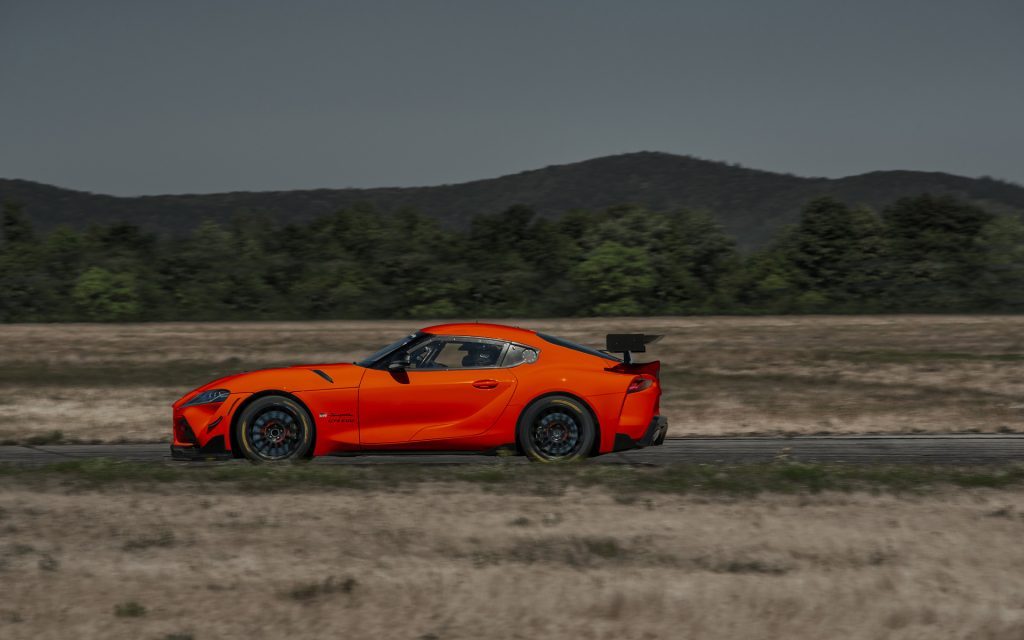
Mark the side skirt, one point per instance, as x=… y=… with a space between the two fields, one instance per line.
x=503 y=450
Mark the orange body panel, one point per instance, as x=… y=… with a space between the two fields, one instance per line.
x=431 y=405
x=358 y=409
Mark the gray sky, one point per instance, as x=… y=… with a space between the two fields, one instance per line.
x=180 y=96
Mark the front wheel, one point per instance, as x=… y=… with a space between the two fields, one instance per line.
x=275 y=429
x=556 y=429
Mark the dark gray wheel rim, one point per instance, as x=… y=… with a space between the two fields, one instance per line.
x=275 y=433
x=556 y=433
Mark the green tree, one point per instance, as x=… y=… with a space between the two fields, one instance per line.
x=26 y=294
x=999 y=281
x=697 y=259
x=17 y=230
x=615 y=279
x=62 y=255
x=933 y=253
x=505 y=260
x=105 y=296
x=194 y=271
x=922 y=254
x=417 y=268
x=767 y=282
x=687 y=253
x=836 y=255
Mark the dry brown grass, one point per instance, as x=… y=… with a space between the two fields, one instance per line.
x=454 y=561
x=849 y=374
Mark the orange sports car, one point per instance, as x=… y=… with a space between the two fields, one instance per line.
x=468 y=387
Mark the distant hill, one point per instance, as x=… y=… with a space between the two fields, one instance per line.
x=749 y=203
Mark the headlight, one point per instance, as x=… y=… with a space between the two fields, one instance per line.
x=208 y=397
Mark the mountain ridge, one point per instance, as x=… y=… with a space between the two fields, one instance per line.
x=751 y=204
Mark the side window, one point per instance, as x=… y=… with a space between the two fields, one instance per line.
x=422 y=356
x=455 y=353
x=518 y=354
x=452 y=354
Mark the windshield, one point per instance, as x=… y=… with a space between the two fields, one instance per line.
x=391 y=348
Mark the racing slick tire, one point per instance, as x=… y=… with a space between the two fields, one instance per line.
x=556 y=429
x=275 y=429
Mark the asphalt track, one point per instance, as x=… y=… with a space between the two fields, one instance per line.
x=928 y=449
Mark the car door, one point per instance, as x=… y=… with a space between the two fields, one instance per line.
x=452 y=387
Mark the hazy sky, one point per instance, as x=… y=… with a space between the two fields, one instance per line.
x=178 y=96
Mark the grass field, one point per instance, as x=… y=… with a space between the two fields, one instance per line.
x=108 y=550
x=770 y=375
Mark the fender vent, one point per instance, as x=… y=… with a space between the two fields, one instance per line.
x=323 y=375
x=210 y=427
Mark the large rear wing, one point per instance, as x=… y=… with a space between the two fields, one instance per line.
x=629 y=343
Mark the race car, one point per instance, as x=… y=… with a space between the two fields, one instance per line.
x=468 y=387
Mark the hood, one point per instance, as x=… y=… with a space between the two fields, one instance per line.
x=291 y=379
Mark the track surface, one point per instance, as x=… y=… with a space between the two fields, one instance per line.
x=952 y=449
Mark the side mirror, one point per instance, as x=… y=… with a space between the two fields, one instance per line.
x=399 y=365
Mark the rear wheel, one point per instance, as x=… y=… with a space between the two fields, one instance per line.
x=275 y=429
x=556 y=429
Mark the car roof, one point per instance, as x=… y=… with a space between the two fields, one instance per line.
x=483 y=330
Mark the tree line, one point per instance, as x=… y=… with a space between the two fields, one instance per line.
x=923 y=254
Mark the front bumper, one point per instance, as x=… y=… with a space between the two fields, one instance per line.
x=654 y=436
x=213 y=450
x=200 y=432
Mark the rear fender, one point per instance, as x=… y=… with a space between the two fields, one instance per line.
x=652 y=368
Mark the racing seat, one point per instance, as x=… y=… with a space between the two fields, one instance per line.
x=480 y=355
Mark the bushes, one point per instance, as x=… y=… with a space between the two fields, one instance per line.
x=921 y=254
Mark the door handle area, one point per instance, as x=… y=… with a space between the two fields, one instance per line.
x=485 y=384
